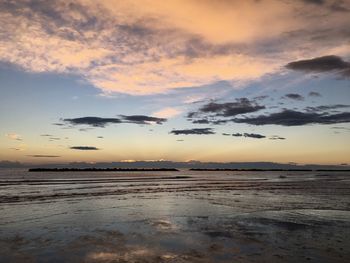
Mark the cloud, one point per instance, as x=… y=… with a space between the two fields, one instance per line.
x=295 y=118
x=228 y=109
x=103 y=122
x=321 y=64
x=262 y=97
x=128 y=47
x=294 y=96
x=16 y=149
x=43 y=156
x=168 y=112
x=195 y=131
x=84 y=148
x=249 y=135
x=92 y=121
x=46 y=135
x=142 y=119
x=226 y=134
x=314 y=94
x=276 y=137
x=109 y=43
x=13 y=136
x=201 y=121
x=326 y=107
x=254 y=135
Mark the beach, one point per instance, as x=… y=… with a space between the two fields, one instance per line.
x=185 y=216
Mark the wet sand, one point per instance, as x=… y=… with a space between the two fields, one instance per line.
x=187 y=216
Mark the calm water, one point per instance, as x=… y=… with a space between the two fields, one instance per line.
x=174 y=217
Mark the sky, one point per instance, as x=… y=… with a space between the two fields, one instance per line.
x=179 y=80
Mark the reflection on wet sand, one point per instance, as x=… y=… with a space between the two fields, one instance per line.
x=195 y=217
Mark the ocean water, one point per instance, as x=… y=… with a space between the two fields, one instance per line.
x=183 y=216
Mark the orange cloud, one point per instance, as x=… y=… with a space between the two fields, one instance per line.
x=168 y=112
x=123 y=46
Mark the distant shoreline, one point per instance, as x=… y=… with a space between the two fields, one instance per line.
x=176 y=170
x=268 y=170
x=103 y=170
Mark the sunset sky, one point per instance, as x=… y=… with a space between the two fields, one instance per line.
x=225 y=80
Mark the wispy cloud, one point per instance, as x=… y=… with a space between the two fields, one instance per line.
x=248 y=135
x=92 y=121
x=84 y=148
x=142 y=119
x=314 y=94
x=276 y=137
x=296 y=118
x=43 y=156
x=194 y=131
x=13 y=136
x=103 y=122
x=227 y=109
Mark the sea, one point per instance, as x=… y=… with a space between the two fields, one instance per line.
x=183 y=216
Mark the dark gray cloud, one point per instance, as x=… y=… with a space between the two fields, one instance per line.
x=201 y=121
x=326 y=108
x=322 y=64
x=254 y=135
x=208 y=112
x=43 y=156
x=294 y=96
x=295 y=118
x=276 y=137
x=194 y=131
x=314 y=94
x=229 y=109
x=249 y=135
x=100 y=137
x=219 y=122
x=103 y=122
x=84 y=148
x=92 y=121
x=142 y=119
x=226 y=134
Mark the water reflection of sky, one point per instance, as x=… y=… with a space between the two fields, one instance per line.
x=197 y=219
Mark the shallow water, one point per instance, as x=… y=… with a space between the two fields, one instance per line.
x=174 y=216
